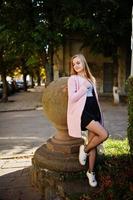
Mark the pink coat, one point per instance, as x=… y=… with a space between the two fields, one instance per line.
x=76 y=102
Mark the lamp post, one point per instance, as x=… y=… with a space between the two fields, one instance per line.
x=132 y=46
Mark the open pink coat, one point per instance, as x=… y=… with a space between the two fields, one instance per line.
x=76 y=102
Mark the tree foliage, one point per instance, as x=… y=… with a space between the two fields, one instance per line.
x=30 y=29
x=16 y=24
x=105 y=25
x=130 y=113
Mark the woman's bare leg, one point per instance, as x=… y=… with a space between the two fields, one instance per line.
x=92 y=153
x=92 y=159
x=91 y=135
x=100 y=135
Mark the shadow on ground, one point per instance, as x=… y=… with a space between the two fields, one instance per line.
x=115 y=177
x=17 y=186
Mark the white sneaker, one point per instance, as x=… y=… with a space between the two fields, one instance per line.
x=92 y=179
x=82 y=155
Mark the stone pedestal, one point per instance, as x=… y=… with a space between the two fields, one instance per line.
x=55 y=165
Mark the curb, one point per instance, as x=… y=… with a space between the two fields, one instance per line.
x=25 y=109
x=17 y=110
x=17 y=157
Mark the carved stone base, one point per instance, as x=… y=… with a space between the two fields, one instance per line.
x=56 y=170
x=59 y=185
x=59 y=156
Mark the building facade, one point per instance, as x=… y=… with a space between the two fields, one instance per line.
x=103 y=68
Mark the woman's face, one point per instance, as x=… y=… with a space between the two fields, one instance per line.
x=77 y=65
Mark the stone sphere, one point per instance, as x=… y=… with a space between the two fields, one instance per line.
x=60 y=152
x=54 y=100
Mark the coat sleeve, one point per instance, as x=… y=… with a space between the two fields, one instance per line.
x=74 y=94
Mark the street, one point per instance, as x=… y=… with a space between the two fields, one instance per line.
x=22 y=132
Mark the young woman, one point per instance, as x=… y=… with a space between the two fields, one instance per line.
x=84 y=113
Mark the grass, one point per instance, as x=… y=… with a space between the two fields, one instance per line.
x=115 y=147
x=115 y=173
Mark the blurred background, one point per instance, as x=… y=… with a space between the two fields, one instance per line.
x=38 y=37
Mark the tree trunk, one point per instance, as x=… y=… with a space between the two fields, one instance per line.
x=38 y=77
x=48 y=80
x=32 y=81
x=130 y=113
x=51 y=64
x=121 y=69
x=25 y=83
x=24 y=72
x=115 y=73
x=5 y=88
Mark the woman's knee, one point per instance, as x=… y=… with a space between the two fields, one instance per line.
x=105 y=135
x=98 y=129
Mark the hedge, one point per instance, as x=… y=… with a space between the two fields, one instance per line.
x=130 y=113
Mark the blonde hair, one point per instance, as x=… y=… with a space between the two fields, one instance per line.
x=87 y=71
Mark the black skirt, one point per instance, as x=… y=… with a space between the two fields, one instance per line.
x=90 y=112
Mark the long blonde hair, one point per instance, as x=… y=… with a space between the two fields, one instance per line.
x=87 y=71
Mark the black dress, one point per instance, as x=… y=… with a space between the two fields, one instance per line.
x=90 y=112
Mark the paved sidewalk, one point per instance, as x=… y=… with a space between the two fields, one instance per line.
x=15 y=180
x=30 y=100
x=15 y=170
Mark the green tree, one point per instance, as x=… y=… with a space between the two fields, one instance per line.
x=130 y=113
x=105 y=24
x=24 y=39
x=49 y=19
x=17 y=19
x=7 y=57
x=41 y=26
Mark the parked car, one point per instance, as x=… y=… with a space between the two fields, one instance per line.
x=20 y=84
x=11 y=88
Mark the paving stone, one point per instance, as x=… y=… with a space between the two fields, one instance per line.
x=16 y=163
x=17 y=186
